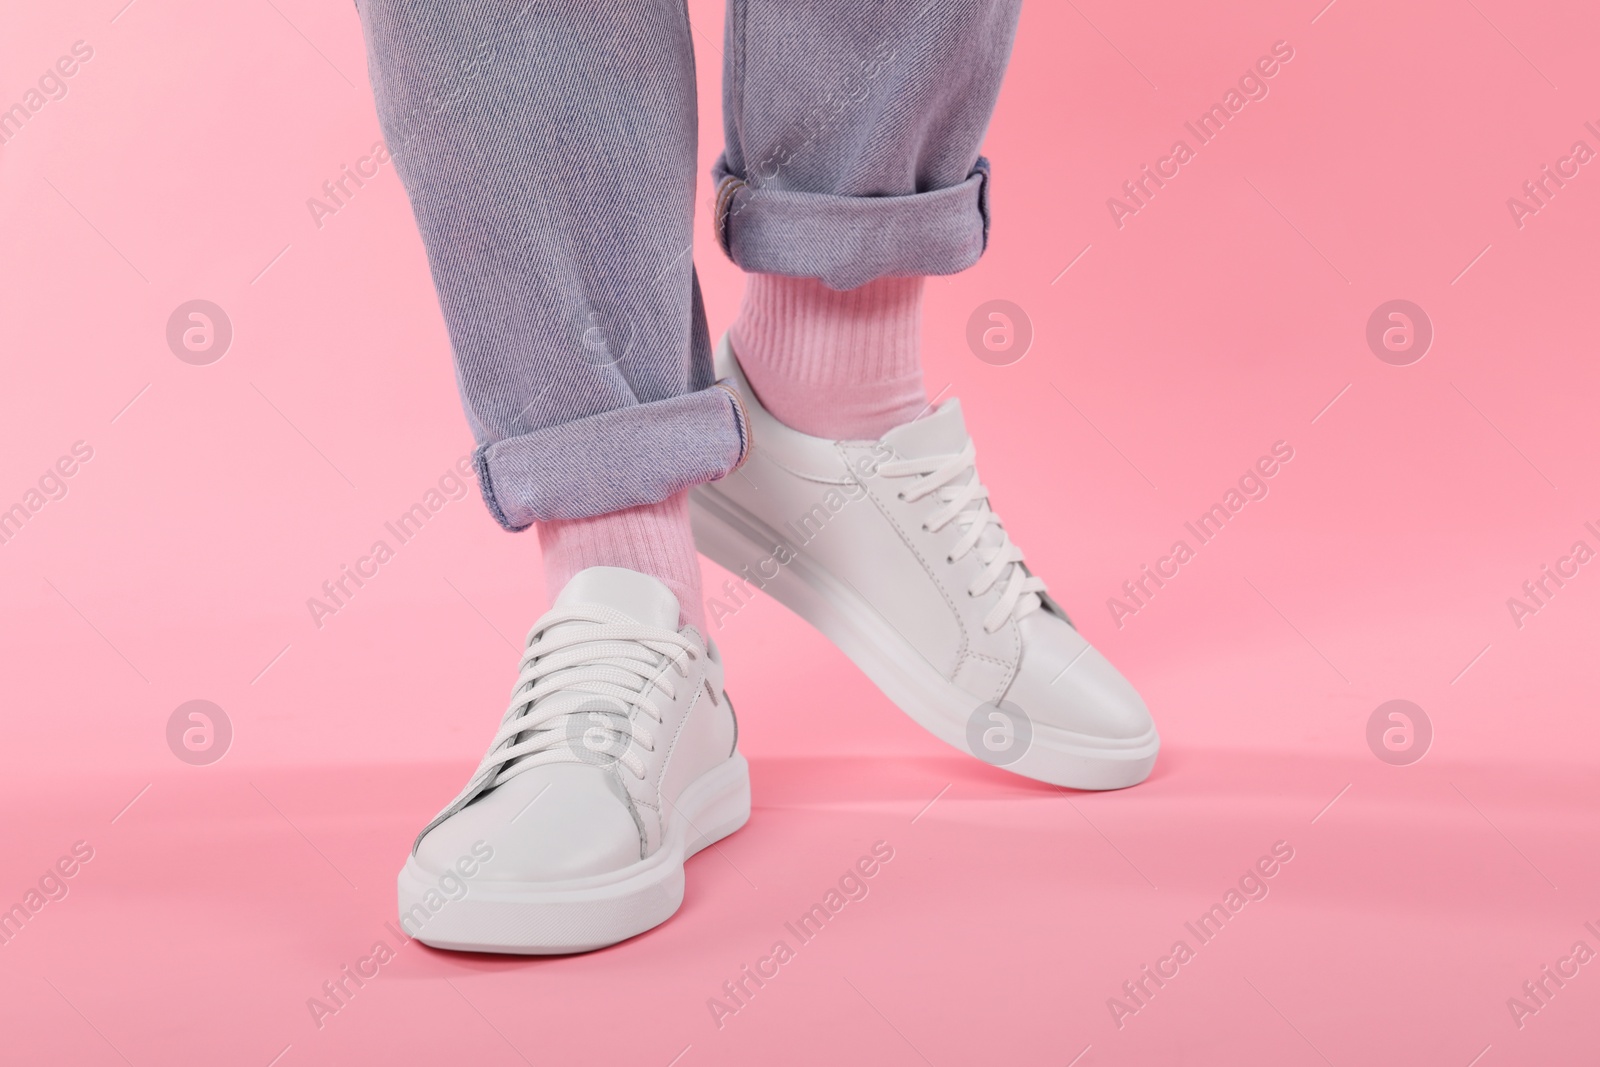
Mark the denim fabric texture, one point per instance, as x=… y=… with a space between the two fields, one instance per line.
x=548 y=149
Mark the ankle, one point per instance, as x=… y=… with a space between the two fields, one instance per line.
x=831 y=363
x=653 y=539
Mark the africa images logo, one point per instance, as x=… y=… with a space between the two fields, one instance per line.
x=1251 y=86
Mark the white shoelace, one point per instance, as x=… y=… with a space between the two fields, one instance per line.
x=588 y=675
x=954 y=479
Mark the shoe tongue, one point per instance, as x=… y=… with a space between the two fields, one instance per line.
x=943 y=433
x=640 y=597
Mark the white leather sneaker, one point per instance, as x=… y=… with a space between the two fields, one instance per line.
x=889 y=547
x=615 y=762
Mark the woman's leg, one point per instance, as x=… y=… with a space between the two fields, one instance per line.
x=548 y=147
x=549 y=153
x=829 y=363
x=852 y=170
x=653 y=539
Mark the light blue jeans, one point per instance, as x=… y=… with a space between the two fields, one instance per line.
x=548 y=148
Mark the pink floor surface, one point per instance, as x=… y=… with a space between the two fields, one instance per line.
x=1432 y=910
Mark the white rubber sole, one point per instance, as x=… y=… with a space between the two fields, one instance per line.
x=728 y=534
x=581 y=915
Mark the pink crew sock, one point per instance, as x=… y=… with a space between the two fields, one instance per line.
x=653 y=539
x=844 y=365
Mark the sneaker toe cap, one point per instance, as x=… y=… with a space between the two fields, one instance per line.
x=1064 y=682
x=549 y=824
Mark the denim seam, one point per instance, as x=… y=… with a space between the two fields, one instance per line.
x=741 y=421
x=982 y=167
x=480 y=463
x=738 y=18
x=727 y=192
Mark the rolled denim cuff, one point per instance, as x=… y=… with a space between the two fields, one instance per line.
x=847 y=241
x=614 y=459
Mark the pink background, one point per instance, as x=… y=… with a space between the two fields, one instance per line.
x=1223 y=317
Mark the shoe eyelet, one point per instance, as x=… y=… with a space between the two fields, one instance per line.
x=950 y=559
x=900 y=496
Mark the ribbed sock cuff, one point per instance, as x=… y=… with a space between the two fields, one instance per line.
x=830 y=363
x=654 y=539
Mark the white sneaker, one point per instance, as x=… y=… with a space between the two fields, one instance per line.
x=615 y=762
x=890 y=548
